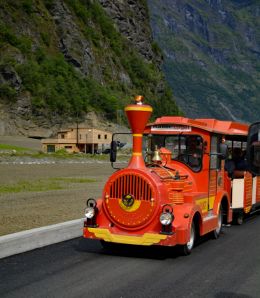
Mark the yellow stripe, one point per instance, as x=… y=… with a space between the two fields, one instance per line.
x=137 y=154
x=139 y=108
x=137 y=135
x=211 y=202
x=203 y=203
x=145 y=239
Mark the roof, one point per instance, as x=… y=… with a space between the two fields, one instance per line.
x=81 y=127
x=211 y=125
x=64 y=130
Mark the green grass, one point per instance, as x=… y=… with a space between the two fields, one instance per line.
x=16 y=148
x=7 y=151
x=74 y=180
x=30 y=186
x=41 y=185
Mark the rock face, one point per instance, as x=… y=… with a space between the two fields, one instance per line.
x=212 y=55
x=72 y=43
x=9 y=76
x=132 y=21
x=60 y=60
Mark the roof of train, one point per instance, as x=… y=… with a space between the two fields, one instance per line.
x=211 y=125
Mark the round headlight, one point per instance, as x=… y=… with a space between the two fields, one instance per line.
x=166 y=218
x=89 y=212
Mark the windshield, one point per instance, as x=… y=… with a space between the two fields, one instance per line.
x=187 y=149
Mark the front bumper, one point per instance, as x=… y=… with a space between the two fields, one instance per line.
x=145 y=239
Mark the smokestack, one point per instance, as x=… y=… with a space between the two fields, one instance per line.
x=138 y=115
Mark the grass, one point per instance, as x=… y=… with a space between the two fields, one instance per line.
x=56 y=183
x=74 y=180
x=25 y=186
x=12 y=147
x=15 y=151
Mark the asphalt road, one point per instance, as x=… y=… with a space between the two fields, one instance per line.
x=227 y=267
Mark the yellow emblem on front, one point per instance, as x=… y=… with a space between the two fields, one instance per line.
x=131 y=208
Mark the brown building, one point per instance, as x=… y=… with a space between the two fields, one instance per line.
x=78 y=139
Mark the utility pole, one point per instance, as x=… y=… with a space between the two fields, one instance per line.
x=77 y=130
x=92 y=140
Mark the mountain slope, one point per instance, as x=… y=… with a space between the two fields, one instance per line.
x=212 y=55
x=60 y=60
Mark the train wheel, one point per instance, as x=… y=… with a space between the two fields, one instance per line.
x=218 y=230
x=240 y=219
x=187 y=248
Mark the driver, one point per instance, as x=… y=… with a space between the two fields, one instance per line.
x=192 y=154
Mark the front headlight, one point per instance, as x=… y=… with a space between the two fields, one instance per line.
x=166 y=218
x=89 y=212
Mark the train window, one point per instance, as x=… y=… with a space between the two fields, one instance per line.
x=158 y=141
x=214 y=160
x=172 y=143
x=187 y=149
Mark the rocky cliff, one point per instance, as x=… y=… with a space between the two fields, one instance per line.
x=67 y=60
x=212 y=55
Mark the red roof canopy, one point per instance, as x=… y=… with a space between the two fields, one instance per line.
x=212 y=125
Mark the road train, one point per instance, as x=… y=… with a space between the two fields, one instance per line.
x=186 y=178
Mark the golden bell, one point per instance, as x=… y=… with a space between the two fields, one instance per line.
x=156 y=155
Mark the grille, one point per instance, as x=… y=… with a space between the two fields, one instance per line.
x=131 y=184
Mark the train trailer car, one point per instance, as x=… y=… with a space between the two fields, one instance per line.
x=183 y=181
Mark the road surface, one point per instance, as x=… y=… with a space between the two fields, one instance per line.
x=227 y=267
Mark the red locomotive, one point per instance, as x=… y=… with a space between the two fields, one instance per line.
x=180 y=188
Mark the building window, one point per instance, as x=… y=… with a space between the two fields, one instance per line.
x=80 y=136
x=105 y=137
x=50 y=148
x=99 y=137
x=62 y=136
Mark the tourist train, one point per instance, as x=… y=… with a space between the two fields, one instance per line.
x=186 y=178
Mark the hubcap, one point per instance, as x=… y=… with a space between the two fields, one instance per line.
x=192 y=238
x=219 y=222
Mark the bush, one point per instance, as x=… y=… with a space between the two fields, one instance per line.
x=48 y=3
x=7 y=92
x=23 y=43
x=54 y=84
x=27 y=6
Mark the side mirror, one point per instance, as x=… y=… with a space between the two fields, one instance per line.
x=223 y=148
x=113 y=151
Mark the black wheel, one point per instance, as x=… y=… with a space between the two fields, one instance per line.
x=187 y=248
x=240 y=219
x=218 y=229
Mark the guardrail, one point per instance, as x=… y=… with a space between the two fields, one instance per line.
x=31 y=239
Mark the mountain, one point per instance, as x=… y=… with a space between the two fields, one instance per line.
x=212 y=55
x=63 y=60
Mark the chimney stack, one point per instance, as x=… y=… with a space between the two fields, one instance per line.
x=138 y=115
